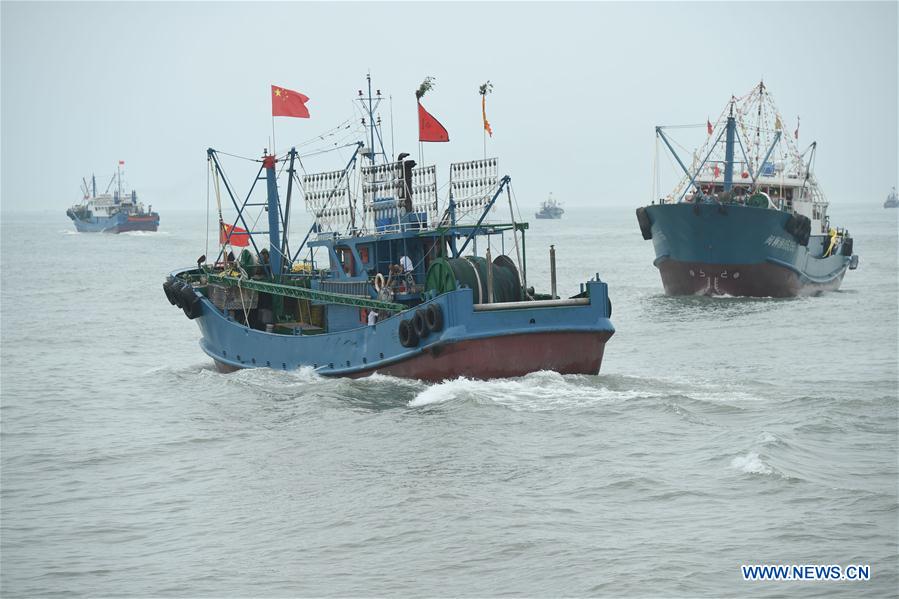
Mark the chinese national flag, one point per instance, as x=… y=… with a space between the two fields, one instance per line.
x=286 y=102
x=429 y=128
x=239 y=237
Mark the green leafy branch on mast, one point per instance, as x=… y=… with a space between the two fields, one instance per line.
x=486 y=88
x=426 y=86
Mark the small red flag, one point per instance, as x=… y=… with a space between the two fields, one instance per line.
x=286 y=102
x=716 y=170
x=121 y=162
x=708 y=126
x=429 y=128
x=239 y=237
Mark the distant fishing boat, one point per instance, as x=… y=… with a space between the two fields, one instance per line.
x=749 y=218
x=892 y=200
x=382 y=281
x=114 y=212
x=550 y=209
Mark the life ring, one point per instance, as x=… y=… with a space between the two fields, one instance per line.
x=379 y=282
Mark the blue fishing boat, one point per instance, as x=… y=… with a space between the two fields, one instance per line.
x=387 y=279
x=748 y=224
x=115 y=212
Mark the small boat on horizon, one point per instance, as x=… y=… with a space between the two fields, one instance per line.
x=748 y=217
x=550 y=208
x=115 y=212
x=892 y=200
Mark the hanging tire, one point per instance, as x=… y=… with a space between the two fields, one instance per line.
x=609 y=306
x=645 y=223
x=846 y=249
x=186 y=294
x=800 y=227
x=408 y=338
x=434 y=317
x=167 y=289
x=193 y=306
x=420 y=324
x=176 y=290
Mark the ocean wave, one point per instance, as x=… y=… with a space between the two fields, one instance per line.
x=751 y=463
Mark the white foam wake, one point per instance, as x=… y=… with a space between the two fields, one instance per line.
x=544 y=390
x=751 y=463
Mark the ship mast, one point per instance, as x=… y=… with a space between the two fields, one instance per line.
x=729 y=149
x=370 y=105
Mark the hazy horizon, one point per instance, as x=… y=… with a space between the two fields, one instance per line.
x=578 y=88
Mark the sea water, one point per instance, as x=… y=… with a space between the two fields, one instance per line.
x=720 y=433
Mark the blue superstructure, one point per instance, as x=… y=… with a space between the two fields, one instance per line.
x=753 y=226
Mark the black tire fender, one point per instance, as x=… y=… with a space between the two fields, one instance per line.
x=800 y=227
x=407 y=335
x=434 y=317
x=167 y=289
x=193 y=306
x=846 y=249
x=645 y=223
x=177 y=290
x=420 y=324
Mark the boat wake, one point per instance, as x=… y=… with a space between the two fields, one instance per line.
x=538 y=391
x=145 y=233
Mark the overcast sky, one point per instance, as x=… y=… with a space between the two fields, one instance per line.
x=578 y=88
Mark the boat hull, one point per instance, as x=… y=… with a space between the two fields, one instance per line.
x=568 y=336
x=712 y=249
x=495 y=357
x=746 y=280
x=119 y=223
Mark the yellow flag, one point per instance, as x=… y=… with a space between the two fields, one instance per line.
x=777 y=124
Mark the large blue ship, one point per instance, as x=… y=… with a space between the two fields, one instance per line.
x=115 y=212
x=748 y=217
x=388 y=279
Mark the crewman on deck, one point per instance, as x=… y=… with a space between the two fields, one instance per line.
x=833 y=243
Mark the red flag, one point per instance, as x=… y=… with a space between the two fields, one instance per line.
x=429 y=128
x=708 y=126
x=716 y=170
x=239 y=237
x=286 y=102
x=121 y=162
